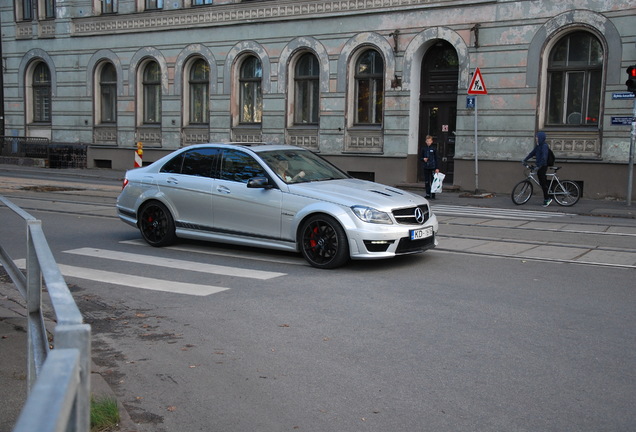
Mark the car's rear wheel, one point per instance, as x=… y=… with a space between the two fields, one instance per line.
x=324 y=242
x=156 y=224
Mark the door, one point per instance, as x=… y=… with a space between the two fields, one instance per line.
x=239 y=210
x=438 y=105
x=439 y=120
x=187 y=182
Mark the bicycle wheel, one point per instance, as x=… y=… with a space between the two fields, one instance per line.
x=566 y=193
x=522 y=192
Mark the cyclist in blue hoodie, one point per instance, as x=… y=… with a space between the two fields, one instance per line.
x=540 y=152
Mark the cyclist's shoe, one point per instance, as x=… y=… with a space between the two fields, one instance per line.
x=547 y=202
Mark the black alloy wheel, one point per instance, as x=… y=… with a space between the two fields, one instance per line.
x=324 y=242
x=156 y=224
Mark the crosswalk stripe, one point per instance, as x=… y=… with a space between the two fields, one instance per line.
x=134 y=281
x=207 y=250
x=175 y=263
x=494 y=213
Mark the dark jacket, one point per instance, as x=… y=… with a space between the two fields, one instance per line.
x=431 y=153
x=540 y=151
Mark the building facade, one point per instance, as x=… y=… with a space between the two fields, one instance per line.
x=362 y=82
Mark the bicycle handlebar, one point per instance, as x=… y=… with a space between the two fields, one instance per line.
x=532 y=167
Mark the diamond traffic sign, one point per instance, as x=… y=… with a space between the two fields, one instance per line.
x=477 y=84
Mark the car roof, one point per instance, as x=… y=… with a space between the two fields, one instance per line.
x=255 y=147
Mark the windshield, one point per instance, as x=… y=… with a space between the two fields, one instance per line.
x=296 y=166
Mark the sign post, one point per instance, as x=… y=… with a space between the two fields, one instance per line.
x=477 y=87
x=630 y=165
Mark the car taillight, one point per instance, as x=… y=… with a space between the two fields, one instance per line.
x=124 y=184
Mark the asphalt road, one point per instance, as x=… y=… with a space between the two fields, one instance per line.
x=516 y=322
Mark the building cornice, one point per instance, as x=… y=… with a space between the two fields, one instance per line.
x=243 y=13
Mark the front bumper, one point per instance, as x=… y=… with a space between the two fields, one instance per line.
x=391 y=241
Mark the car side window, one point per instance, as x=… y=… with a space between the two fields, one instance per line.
x=239 y=167
x=173 y=166
x=200 y=162
x=196 y=162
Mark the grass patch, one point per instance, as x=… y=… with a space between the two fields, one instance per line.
x=104 y=414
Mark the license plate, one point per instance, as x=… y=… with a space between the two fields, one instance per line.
x=419 y=234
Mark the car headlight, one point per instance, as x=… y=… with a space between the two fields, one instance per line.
x=371 y=215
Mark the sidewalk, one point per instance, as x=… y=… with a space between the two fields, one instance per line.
x=611 y=208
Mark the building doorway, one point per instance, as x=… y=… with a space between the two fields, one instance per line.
x=438 y=105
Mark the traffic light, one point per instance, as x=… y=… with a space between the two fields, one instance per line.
x=631 y=79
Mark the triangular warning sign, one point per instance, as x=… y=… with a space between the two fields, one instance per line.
x=477 y=84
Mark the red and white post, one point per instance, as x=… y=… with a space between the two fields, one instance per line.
x=139 y=155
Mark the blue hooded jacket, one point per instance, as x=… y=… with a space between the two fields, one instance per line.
x=540 y=151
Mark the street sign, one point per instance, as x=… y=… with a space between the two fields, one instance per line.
x=477 y=84
x=470 y=102
x=622 y=121
x=623 y=95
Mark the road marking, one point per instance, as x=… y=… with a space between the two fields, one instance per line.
x=134 y=281
x=175 y=263
x=494 y=213
x=209 y=250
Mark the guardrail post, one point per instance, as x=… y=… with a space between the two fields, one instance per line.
x=78 y=336
x=50 y=408
x=36 y=332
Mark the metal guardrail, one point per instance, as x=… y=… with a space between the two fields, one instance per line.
x=59 y=379
x=56 y=154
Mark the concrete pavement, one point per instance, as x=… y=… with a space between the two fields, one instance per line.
x=13 y=337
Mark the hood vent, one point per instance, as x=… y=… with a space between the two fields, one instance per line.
x=380 y=192
x=386 y=192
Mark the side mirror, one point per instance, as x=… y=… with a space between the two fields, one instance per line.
x=259 y=183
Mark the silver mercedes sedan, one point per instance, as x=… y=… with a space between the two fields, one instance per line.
x=277 y=197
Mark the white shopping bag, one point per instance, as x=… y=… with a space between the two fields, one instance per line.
x=438 y=179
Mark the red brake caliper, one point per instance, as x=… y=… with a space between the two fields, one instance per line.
x=312 y=242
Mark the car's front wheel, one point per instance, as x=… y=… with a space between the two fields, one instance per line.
x=156 y=224
x=324 y=242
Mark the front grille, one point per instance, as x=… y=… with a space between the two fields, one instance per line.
x=407 y=245
x=406 y=216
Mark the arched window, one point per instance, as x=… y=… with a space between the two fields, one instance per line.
x=369 y=88
x=199 y=91
x=153 y=4
x=26 y=7
x=575 y=72
x=307 y=90
x=152 y=93
x=108 y=94
x=109 y=6
x=251 y=95
x=49 y=9
x=41 y=102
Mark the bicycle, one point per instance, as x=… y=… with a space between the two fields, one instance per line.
x=564 y=192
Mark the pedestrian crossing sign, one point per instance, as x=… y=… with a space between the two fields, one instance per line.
x=477 y=84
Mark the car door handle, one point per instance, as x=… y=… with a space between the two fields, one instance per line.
x=223 y=189
x=172 y=180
